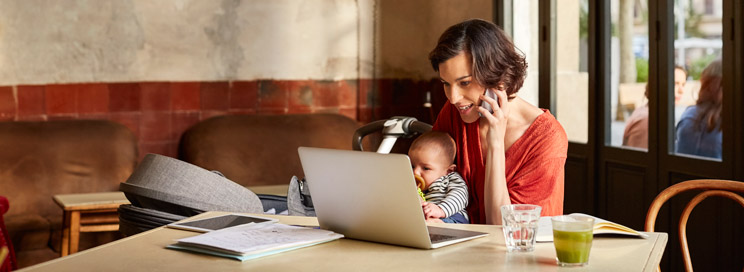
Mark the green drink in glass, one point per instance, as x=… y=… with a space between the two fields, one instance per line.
x=572 y=236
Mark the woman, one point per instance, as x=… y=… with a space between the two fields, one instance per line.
x=515 y=154
x=636 y=127
x=699 y=130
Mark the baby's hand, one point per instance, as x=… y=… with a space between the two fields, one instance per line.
x=432 y=210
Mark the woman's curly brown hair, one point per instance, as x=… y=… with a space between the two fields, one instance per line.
x=495 y=59
x=710 y=97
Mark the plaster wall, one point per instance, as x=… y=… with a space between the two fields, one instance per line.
x=66 y=41
x=141 y=40
x=159 y=67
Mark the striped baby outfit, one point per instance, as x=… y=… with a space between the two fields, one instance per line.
x=450 y=193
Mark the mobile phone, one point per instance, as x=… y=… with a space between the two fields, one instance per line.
x=220 y=222
x=490 y=93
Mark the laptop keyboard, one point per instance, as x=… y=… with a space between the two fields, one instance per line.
x=440 y=237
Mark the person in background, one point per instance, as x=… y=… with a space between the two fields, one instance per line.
x=636 y=127
x=699 y=130
x=512 y=154
x=680 y=80
x=445 y=192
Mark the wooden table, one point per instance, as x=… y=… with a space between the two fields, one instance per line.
x=92 y=212
x=279 y=190
x=146 y=252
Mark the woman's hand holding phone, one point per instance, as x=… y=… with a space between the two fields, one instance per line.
x=496 y=115
x=490 y=93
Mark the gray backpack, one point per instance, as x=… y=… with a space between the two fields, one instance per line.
x=299 y=202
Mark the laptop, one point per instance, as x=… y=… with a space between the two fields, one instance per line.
x=372 y=197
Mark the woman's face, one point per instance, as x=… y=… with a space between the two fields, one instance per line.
x=460 y=87
x=680 y=79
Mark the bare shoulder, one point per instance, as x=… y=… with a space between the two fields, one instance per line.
x=522 y=115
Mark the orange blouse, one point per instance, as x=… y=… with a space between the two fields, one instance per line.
x=534 y=163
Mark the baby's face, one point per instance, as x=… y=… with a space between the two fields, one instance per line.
x=428 y=163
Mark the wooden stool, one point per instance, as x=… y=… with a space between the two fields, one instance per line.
x=92 y=212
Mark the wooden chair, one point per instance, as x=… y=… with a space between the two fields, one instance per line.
x=710 y=187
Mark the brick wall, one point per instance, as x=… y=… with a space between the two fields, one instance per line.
x=159 y=112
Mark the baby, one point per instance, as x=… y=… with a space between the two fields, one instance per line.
x=446 y=195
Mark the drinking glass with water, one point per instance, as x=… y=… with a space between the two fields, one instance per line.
x=520 y=226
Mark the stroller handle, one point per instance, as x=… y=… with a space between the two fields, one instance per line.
x=395 y=127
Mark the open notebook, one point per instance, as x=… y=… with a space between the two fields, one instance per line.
x=250 y=241
x=601 y=226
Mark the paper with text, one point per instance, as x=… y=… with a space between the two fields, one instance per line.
x=254 y=239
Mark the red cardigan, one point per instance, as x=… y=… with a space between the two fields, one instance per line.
x=534 y=163
x=9 y=264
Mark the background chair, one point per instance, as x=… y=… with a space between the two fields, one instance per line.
x=710 y=187
x=260 y=149
x=46 y=158
x=256 y=150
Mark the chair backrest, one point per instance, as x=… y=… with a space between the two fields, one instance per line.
x=262 y=149
x=42 y=159
x=710 y=187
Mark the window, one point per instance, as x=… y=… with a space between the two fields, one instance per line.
x=571 y=68
x=698 y=101
x=629 y=68
x=525 y=29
